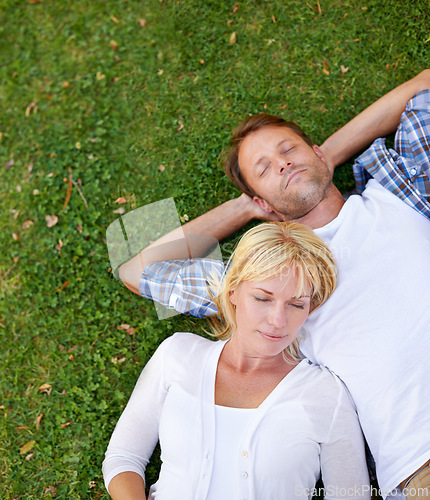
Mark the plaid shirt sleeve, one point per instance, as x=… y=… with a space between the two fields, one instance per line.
x=404 y=170
x=183 y=285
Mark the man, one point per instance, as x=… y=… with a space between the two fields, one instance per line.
x=374 y=331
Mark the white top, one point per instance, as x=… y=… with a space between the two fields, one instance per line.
x=381 y=355
x=308 y=422
x=230 y=424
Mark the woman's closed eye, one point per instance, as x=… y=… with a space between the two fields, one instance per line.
x=261 y=299
x=298 y=306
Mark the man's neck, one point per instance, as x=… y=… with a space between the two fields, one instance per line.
x=326 y=210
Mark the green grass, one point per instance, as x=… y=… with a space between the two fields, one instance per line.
x=109 y=97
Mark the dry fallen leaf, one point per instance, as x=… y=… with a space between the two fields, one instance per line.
x=27 y=224
x=46 y=388
x=38 y=419
x=51 y=220
x=123 y=327
x=15 y=236
x=180 y=126
x=325 y=69
x=52 y=490
x=79 y=228
x=65 y=85
x=99 y=75
x=66 y=424
x=235 y=7
x=120 y=211
x=30 y=107
x=233 y=37
x=142 y=22
x=27 y=447
x=161 y=168
x=114 y=19
x=60 y=245
x=120 y=200
x=10 y=162
x=273 y=18
x=343 y=69
x=68 y=192
x=113 y=44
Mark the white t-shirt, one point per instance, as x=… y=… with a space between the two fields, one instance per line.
x=381 y=355
x=307 y=423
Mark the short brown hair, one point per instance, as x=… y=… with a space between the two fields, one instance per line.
x=251 y=124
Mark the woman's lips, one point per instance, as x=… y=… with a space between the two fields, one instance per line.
x=272 y=338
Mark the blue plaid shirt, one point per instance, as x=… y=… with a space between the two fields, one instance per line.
x=404 y=170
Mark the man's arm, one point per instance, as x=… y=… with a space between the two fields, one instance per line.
x=194 y=238
x=378 y=120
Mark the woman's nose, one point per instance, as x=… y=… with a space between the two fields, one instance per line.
x=278 y=316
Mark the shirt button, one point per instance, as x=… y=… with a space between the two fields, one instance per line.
x=244 y=453
x=413 y=171
x=244 y=475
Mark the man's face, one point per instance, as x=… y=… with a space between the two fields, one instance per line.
x=290 y=177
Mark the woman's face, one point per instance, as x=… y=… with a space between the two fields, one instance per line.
x=268 y=314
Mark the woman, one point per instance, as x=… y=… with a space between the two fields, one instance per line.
x=244 y=417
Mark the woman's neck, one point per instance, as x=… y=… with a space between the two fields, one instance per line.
x=241 y=360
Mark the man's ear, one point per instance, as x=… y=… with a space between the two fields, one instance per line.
x=263 y=204
x=319 y=153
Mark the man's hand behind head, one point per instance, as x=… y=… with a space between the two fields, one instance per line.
x=257 y=211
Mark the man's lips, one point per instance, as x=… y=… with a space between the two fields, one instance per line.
x=292 y=175
x=271 y=337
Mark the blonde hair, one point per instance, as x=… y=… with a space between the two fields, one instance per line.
x=273 y=249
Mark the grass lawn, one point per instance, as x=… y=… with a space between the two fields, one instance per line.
x=105 y=99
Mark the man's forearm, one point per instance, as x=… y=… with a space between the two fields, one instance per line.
x=378 y=120
x=193 y=239
x=218 y=223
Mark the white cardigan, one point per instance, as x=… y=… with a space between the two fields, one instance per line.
x=307 y=423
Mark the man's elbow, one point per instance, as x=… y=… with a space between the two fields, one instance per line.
x=130 y=276
x=424 y=79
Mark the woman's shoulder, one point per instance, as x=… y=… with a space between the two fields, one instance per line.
x=186 y=343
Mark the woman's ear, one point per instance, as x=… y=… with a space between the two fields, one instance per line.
x=232 y=297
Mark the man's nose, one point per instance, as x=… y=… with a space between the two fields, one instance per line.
x=283 y=165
